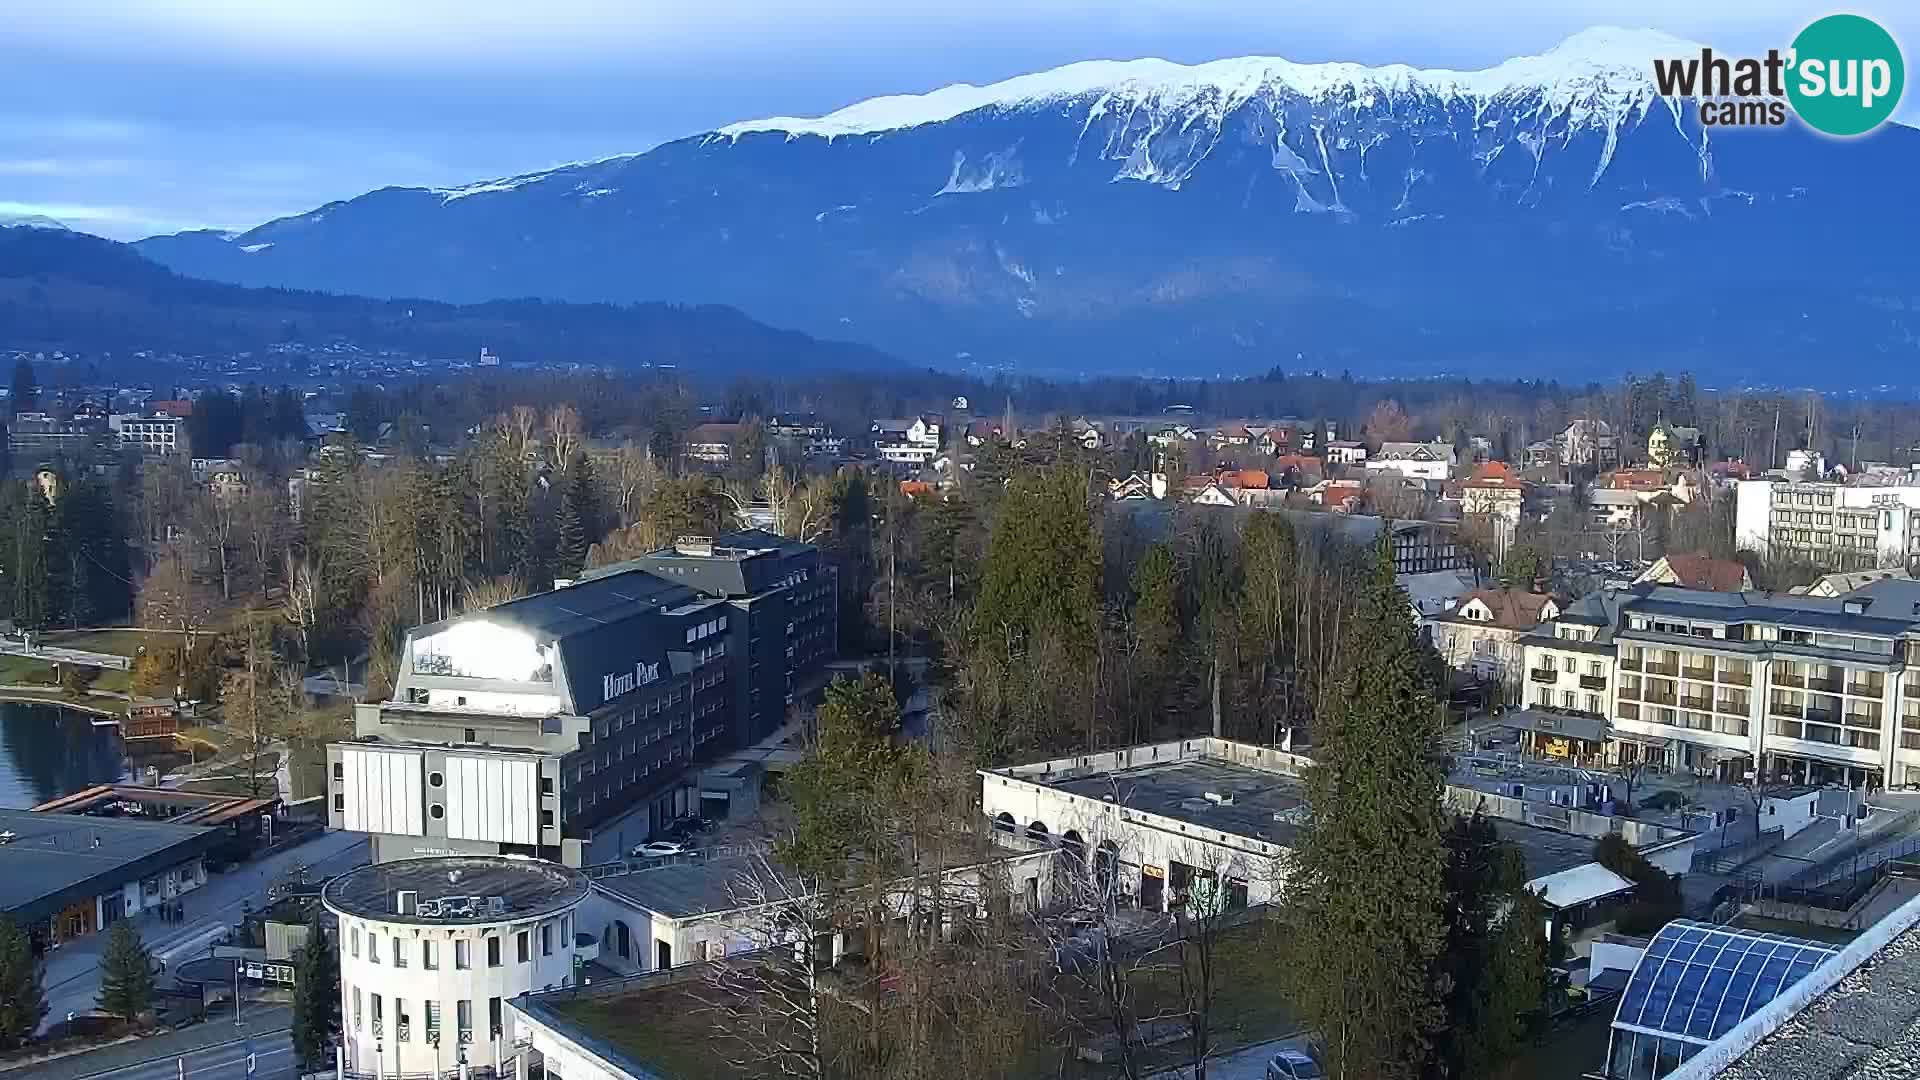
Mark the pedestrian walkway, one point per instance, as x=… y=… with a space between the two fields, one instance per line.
x=257 y=1020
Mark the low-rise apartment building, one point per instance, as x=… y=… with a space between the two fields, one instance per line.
x=1806 y=689
x=1840 y=526
x=1482 y=638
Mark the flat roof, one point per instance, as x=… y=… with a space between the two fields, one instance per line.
x=1179 y=789
x=598 y=601
x=1547 y=852
x=207 y=808
x=60 y=859
x=528 y=888
x=681 y=890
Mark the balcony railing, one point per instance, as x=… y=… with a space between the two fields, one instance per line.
x=1783 y=708
x=1863 y=720
x=1593 y=682
x=1657 y=697
x=1731 y=706
x=1700 y=703
x=1787 y=678
x=1735 y=678
x=1669 y=670
x=1822 y=716
x=1629 y=710
x=1703 y=674
x=1867 y=689
x=1825 y=686
x=1545 y=675
x=1629 y=663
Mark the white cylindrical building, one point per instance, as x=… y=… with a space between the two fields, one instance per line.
x=432 y=949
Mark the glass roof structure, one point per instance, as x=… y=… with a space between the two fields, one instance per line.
x=1693 y=984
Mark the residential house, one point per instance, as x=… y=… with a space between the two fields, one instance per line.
x=1212 y=494
x=1697 y=572
x=1671 y=444
x=978 y=432
x=713 y=443
x=1346 y=452
x=1137 y=487
x=816 y=439
x=1588 y=442
x=1234 y=479
x=1493 y=492
x=1088 y=433
x=1414 y=460
x=907 y=442
x=1482 y=637
x=1297 y=470
x=1570 y=658
x=1173 y=433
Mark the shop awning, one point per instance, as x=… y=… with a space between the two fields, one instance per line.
x=1591 y=729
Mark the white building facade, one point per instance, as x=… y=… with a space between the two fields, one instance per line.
x=431 y=950
x=1836 y=525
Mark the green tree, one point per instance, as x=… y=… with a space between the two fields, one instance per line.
x=581 y=515
x=1656 y=894
x=126 y=973
x=1525 y=564
x=1043 y=567
x=23 y=1000
x=316 y=999
x=1366 y=886
x=1495 y=960
x=849 y=775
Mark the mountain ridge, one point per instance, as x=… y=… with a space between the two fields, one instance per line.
x=1209 y=217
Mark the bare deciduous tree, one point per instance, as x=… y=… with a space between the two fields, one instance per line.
x=767 y=991
x=301 y=604
x=565 y=433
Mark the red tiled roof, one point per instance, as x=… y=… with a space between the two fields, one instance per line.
x=1512 y=609
x=1245 y=478
x=1637 y=479
x=1492 y=470
x=1706 y=572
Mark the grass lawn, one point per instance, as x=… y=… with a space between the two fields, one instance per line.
x=669 y=1030
x=22 y=670
x=665 y=1028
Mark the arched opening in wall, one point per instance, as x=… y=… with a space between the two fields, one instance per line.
x=1037 y=831
x=1072 y=841
x=1106 y=868
x=1003 y=822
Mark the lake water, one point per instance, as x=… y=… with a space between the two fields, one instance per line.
x=47 y=751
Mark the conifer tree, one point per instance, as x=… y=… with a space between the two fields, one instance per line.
x=126 y=973
x=316 y=999
x=1365 y=887
x=23 y=1001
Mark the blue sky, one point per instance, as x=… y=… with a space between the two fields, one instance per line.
x=129 y=117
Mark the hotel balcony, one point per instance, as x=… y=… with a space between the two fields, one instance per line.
x=1867 y=689
x=1693 y=702
x=1629 y=663
x=1787 y=678
x=1593 y=682
x=1670 y=670
x=1628 y=710
x=1544 y=675
x=1825 y=684
x=1658 y=697
x=1732 y=706
x=1736 y=678
x=1699 y=674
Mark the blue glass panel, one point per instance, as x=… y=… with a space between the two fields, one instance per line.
x=1712 y=1002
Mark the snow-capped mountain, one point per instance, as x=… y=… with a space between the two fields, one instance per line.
x=31 y=221
x=1145 y=215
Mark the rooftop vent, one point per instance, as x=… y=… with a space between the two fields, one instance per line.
x=694 y=545
x=1220 y=798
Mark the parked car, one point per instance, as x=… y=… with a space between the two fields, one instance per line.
x=1293 y=1065
x=659 y=849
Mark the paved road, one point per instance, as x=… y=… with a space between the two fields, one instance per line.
x=272 y=1056
x=1249 y=1063
x=73 y=971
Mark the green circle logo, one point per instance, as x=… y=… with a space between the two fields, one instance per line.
x=1846 y=75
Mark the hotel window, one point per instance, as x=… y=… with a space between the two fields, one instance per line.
x=430 y=955
x=373 y=948
x=379 y=1016
x=399 y=953
x=546 y=939
x=355 y=938
x=403 y=1024
x=433 y=1021
x=521 y=942
x=463 y=1020
x=493 y=952
x=462 y=958
x=356 y=1008
x=1567 y=664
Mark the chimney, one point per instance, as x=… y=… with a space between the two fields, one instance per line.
x=403 y=901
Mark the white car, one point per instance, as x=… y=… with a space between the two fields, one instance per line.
x=1293 y=1065
x=659 y=849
